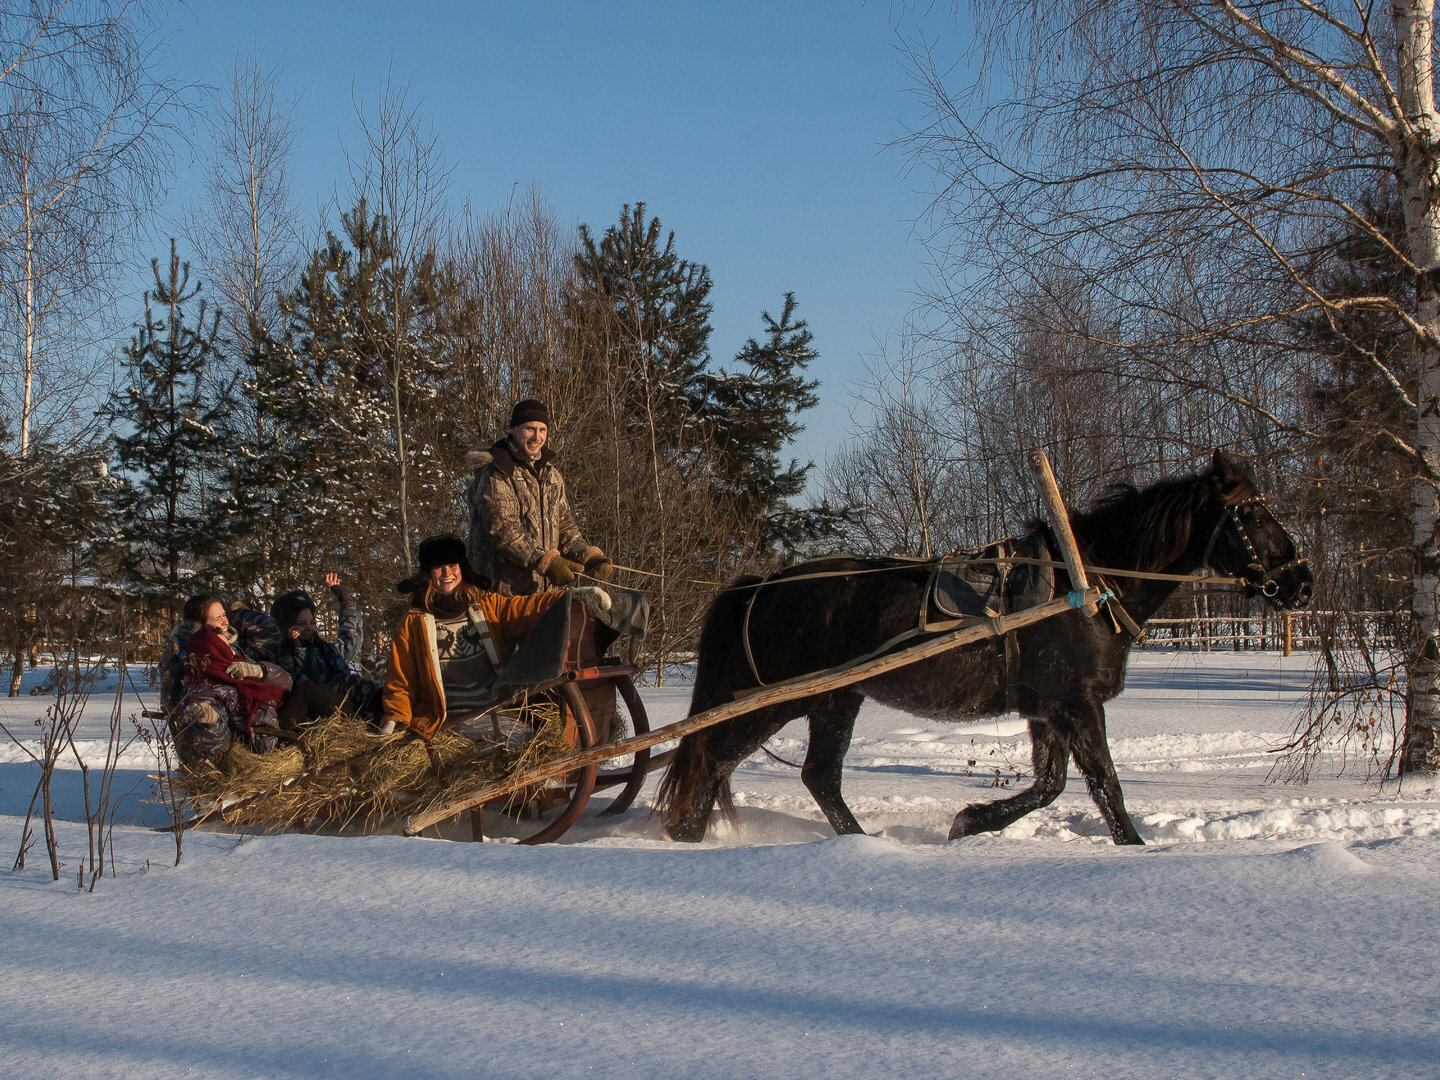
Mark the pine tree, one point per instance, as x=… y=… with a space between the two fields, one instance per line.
x=260 y=489
x=657 y=315
x=637 y=452
x=167 y=438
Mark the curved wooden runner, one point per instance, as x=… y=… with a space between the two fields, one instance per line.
x=971 y=631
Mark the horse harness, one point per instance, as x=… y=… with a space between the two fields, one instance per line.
x=998 y=579
x=1266 y=582
x=1017 y=573
x=967 y=585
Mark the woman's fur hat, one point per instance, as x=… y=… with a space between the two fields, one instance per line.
x=440 y=551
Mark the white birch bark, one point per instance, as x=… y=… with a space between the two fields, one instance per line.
x=1418 y=154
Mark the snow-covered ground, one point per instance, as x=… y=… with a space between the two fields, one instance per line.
x=1266 y=931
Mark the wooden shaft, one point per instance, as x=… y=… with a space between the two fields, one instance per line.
x=789 y=690
x=1060 y=525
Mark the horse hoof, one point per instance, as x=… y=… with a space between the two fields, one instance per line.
x=684 y=833
x=963 y=825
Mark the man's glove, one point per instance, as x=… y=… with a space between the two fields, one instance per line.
x=241 y=670
x=562 y=571
x=599 y=567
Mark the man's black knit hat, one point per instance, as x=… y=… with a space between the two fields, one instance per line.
x=530 y=411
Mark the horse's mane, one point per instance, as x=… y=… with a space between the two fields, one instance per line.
x=1145 y=527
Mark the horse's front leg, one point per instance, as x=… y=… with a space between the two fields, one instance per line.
x=1048 y=755
x=706 y=765
x=689 y=820
x=832 y=723
x=1092 y=756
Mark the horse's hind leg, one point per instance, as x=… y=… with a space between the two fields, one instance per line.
x=832 y=723
x=1092 y=757
x=1048 y=754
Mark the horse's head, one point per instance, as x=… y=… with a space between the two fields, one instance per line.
x=1249 y=542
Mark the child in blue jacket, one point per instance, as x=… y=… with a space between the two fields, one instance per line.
x=310 y=659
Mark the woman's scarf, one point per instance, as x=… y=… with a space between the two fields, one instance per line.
x=208 y=654
x=447 y=607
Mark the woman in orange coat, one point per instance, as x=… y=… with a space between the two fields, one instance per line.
x=445 y=653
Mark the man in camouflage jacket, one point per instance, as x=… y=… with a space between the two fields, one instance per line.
x=523 y=537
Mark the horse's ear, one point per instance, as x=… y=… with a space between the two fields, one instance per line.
x=1229 y=475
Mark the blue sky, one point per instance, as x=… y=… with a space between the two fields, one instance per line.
x=755 y=131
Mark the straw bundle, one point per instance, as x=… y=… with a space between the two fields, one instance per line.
x=341 y=771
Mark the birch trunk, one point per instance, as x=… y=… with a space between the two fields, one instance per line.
x=1417 y=156
x=401 y=465
x=27 y=318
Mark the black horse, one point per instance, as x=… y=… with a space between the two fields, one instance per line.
x=1057 y=673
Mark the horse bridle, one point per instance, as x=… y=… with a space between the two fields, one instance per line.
x=1265 y=582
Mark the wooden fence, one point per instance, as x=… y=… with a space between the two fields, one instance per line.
x=1274 y=631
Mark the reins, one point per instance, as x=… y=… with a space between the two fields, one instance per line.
x=905 y=563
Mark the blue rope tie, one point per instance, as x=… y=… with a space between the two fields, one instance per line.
x=1077 y=598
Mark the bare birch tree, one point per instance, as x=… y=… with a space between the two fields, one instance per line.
x=244 y=227
x=1188 y=158
x=900 y=474
x=400 y=172
x=82 y=142
x=507 y=277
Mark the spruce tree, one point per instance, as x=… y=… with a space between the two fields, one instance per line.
x=751 y=413
x=166 y=438
x=353 y=386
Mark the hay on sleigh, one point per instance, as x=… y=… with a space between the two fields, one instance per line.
x=341 y=771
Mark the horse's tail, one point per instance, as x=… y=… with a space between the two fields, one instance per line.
x=693 y=766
